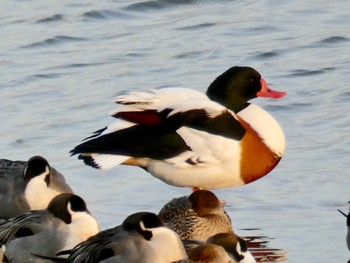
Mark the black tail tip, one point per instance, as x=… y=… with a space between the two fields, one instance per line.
x=88 y=160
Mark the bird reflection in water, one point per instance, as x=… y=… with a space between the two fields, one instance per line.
x=260 y=248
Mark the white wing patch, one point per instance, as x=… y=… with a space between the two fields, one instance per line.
x=154 y=96
x=177 y=99
x=108 y=161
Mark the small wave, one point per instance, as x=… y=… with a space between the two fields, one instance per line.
x=53 y=41
x=275 y=108
x=264 y=28
x=46 y=76
x=35 y=77
x=199 y=26
x=148 y=5
x=306 y=72
x=190 y=54
x=77 y=65
x=269 y=54
x=330 y=41
x=334 y=39
x=346 y=94
x=53 y=18
x=162 y=4
x=81 y=65
x=104 y=14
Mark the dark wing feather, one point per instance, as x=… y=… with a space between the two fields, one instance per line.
x=89 y=249
x=157 y=138
x=223 y=124
x=137 y=141
x=21 y=226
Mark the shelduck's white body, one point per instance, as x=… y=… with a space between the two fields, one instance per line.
x=186 y=139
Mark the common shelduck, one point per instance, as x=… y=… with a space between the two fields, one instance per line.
x=188 y=139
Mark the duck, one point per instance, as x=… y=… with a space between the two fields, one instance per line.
x=28 y=185
x=348 y=225
x=62 y=225
x=209 y=253
x=190 y=139
x=220 y=248
x=197 y=216
x=142 y=237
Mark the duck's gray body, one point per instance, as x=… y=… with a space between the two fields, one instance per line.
x=142 y=238
x=43 y=237
x=16 y=176
x=65 y=223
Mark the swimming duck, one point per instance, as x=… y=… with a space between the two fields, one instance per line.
x=209 y=253
x=65 y=223
x=188 y=139
x=220 y=248
x=142 y=237
x=198 y=216
x=28 y=185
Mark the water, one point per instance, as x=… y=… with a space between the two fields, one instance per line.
x=63 y=62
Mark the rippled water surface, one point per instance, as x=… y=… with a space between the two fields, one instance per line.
x=62 y=63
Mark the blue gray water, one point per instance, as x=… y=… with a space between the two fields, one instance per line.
x=62 y=63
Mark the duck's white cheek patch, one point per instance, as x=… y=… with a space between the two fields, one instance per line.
x=37 y=193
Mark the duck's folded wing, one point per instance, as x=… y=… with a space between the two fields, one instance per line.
x=155 y=133
x=24 y=225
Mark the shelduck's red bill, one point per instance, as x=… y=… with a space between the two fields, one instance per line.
x=266 y=92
